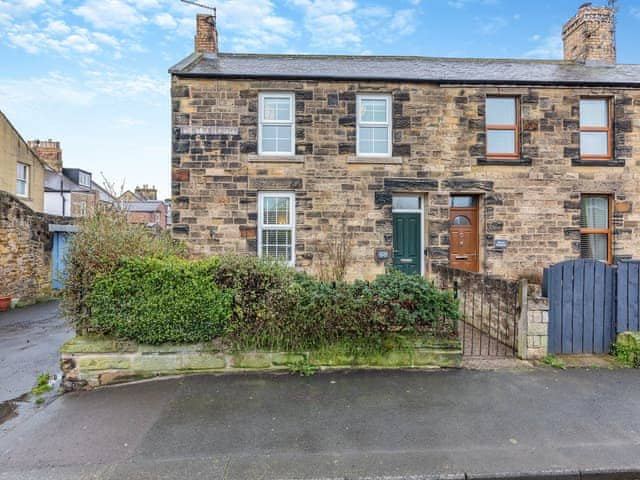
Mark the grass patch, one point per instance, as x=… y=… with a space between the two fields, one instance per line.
x=303 y=368
x=42 y=385
x=553 y=361
x=628 y=355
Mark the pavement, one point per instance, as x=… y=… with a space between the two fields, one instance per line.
x=29 y=342
x=366 y=424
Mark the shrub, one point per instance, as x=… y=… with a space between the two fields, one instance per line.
x=304 y=312
x=160 y=300
x=97 y=248
x=412 y=303
x=254 y=303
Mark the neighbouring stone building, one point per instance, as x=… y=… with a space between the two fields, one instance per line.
x=497 y=166
x=143 y=207
x=21 y=171
x=26 y=233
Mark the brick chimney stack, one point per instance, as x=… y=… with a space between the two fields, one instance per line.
x=150 y=193
x=49 y=152
x=589 y=37
x=206 y=39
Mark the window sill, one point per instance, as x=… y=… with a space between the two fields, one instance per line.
x=604 y=162
x=276 y=158
x=505 y=161
x=375 y=160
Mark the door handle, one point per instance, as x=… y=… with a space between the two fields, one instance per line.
x=462 y=257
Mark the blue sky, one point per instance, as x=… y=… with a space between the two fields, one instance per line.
x=93 y=73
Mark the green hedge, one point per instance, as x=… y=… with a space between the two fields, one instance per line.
x=253 y=303
x=156 y=301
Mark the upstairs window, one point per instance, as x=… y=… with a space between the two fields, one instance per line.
x=595 y=227
x=82 y=208
x=373 y=126
x=276 y=226
x=84 y=179
x=595 y=129
x=22 y=180
x=276 y=124
x=502 y=118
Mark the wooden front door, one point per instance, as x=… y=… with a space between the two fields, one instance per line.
x=406 y=242
x=463 y=233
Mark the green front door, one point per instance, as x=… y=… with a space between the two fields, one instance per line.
x=406 y=242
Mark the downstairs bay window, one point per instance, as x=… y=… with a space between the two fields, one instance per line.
x=276 y=226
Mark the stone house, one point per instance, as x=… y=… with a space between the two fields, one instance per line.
x=489 y=165
x=27 y=234
x=151 y=213
x=143 y=207
x=21 y=170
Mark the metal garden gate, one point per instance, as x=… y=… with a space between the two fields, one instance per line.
x=582 y=306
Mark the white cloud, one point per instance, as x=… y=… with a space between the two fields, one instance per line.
x=107 y=39
x=165 y=20
x=130 y=122
x=546 y=47
x=58 y=37
x=58 y=26
x=125 y=84
x=110 y=14
x=635 y=11
x=330 y=22
x=491 y=25
x=51 y=89
x=463 y=3
x=403 y=22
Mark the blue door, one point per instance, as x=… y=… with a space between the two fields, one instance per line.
x=60 y=245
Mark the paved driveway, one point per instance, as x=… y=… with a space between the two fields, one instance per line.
x=29 y=342
x=337 y=425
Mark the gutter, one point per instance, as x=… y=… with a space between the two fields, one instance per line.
x=519 y=83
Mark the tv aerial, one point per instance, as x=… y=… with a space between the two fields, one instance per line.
x=201 y=5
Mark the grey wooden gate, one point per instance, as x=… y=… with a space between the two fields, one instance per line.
x=628 y=301
x=581 y=306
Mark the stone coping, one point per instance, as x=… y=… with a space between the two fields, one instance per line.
x=92 y=361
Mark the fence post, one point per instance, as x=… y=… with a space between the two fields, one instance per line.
x=523 y=320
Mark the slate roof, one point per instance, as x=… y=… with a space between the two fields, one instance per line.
x=148 y=206
x=52 y=183
x=420 y=69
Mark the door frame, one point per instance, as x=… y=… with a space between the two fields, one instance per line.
x=477 y=199
x=422 y=225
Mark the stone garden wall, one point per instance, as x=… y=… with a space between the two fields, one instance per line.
x=490 y=304
x=25 y=249
x=95 y=361
x=537 y=327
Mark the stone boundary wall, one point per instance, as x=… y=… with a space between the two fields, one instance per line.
x=537 y=327
x=490 y=303
x=25 y=249
x=89 y=362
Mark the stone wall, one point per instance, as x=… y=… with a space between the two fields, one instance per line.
x=14 y=149
x=96 y=361
x=438 y=150
x=537 y=327
x=489 y=304
x=25 y=249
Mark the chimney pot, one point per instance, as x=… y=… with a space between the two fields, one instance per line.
x=589 y=37
x=49 y=152
x=206 y=39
